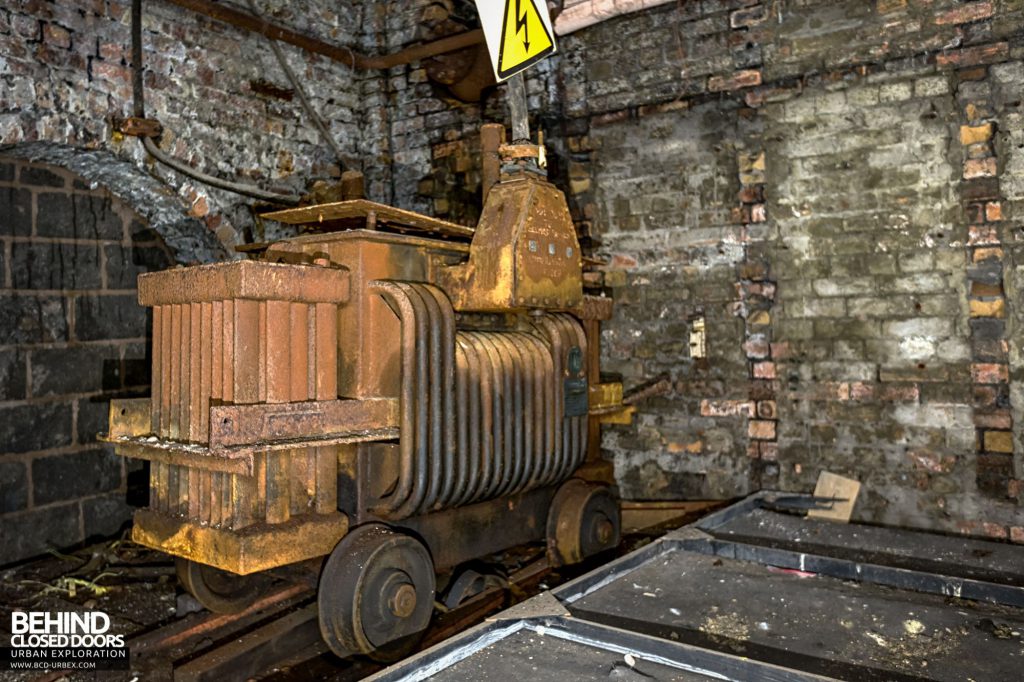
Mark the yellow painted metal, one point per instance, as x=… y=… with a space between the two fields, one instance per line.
x=524 y=254
x=246 y=551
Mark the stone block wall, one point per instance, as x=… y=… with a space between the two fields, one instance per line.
x=72 y=336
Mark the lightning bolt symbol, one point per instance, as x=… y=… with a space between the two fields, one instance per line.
x=521 y=26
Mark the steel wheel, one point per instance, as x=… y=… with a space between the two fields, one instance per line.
x=582 y=521
x=217 y=590
x=376 y=593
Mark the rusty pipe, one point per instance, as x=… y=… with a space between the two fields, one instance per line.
x=392 y=295
x=338 y=53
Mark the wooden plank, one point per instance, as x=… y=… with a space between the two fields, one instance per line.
x=836 y=486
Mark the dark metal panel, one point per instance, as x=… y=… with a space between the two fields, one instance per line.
x=556 y=648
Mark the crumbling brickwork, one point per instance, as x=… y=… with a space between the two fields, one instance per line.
x=72 y=336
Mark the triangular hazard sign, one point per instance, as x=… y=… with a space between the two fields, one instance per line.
x=524 y=38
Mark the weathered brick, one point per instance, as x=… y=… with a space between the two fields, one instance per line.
x=43 y=265
x=57 y=35
x=13 y=486
x=40 y=177
x=993 y=211
x=748 y=16
x=975 y=134
x=15 y=211
x=972 y=56
x=726 y=408
x=26 y=428
x=998 y=441
x=741 y=79
x=105 y=515
x=81 y=216
x=761 y=429
x=994 y=308
x=93 y=418
x=988 y=373
x=125 y=264
x=971 y=11
x=980 y=168
x=109 y=317
x=12 y=374
x=32 y=319
x=69 y=476
x=79 y=369
x=29 y=533
x=765 y=370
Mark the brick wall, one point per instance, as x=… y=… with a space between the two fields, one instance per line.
x=65 y=71
x=832 y=186
x=72 y=336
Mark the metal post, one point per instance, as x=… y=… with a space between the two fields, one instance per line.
x=516 y=95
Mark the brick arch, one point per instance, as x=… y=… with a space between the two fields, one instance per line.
x=76 y=229
x=157 y=205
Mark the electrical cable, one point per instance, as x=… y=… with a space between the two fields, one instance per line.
x=168 y=160
x=314 y=116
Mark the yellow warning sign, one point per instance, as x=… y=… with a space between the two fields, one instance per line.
x=518 y=34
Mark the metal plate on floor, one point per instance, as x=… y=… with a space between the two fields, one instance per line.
x=792 y=598
x=558 y=648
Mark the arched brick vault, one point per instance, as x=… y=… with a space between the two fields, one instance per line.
x=77 y=227
x=188 y=239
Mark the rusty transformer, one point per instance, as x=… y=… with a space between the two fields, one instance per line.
x=398 y=394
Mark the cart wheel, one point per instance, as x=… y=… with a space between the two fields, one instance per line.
x=217 y=590
x=582 y=521
x=376 y=594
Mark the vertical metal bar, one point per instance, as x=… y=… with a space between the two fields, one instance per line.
x=247 y=344
x=326 y=351
x=263 y=371
x=167 y=351
x=516 y=95
x=156 y=371
x=228 y=364
x=298 y=351
x=310 y=351
x=217 y=350
x=174 y=411
x=278 y=486
x=492 y=135
x=185 y=391
x=195 y=380
x=205 y=370
x=326 y=479
x=158 y=485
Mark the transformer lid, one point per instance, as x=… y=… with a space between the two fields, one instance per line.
x=365 y=214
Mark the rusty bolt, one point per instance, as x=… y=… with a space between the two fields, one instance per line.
x=403 y=600
x=605 y=529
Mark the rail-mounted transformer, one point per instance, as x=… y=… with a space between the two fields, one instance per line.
x=396 y=393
